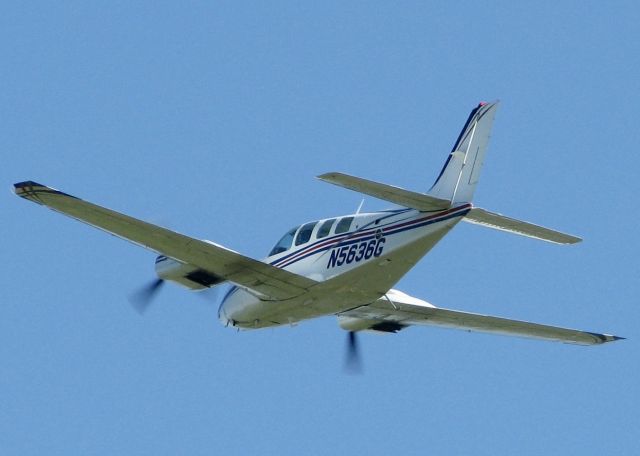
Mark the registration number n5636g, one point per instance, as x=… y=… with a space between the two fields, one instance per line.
x=348 y=254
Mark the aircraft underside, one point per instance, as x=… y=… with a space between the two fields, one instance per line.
x=245 y=310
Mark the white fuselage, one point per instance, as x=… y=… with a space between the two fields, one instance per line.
x=387 y=244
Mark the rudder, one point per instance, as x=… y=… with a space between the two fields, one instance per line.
x=459 y=176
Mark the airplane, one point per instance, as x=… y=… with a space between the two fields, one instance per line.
x=344 y=266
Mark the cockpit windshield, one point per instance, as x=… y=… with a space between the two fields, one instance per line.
x=284 y=244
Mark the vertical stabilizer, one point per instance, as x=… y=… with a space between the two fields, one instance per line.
x=461 y=172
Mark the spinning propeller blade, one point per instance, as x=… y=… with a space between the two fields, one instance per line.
x=141 y=299
x=353 y=362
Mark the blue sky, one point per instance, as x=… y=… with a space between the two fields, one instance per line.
x=213 y=119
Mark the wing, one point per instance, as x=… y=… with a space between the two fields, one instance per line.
x=265 y=279
x=500 y=222
x=399 y=310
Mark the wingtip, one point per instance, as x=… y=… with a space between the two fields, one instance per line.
x=604 y=338
x=31 y=190
x=25 y=188
x=26 y=184
x=326 y=176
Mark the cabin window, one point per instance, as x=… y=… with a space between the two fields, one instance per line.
x=305 y=233
x=284 y=244
x=325 y=228
x=344 y=225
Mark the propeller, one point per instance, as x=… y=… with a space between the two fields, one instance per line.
x=141 y=299
x=353 y=362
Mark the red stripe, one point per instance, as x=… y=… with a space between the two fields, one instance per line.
x=312 y=249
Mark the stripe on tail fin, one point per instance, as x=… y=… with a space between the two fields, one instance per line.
x=459 y=176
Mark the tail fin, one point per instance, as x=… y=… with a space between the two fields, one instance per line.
x=461 y=172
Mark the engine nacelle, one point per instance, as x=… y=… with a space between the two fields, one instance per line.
x=363 y=324
x=187 y=275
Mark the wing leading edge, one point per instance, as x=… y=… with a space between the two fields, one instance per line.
x=400 y=310
x=267 y=280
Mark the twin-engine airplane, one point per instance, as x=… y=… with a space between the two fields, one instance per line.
x=344 y=266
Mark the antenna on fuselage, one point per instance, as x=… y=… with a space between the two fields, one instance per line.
x=360 y=207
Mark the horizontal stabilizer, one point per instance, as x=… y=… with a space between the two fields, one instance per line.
x=483 y=217
x=396 y=195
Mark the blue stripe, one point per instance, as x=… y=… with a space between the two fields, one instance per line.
x=429 y=222
x=229 y=292
x=390 y=232
x=340 y=237
x=475 y=112
x=455 y=145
